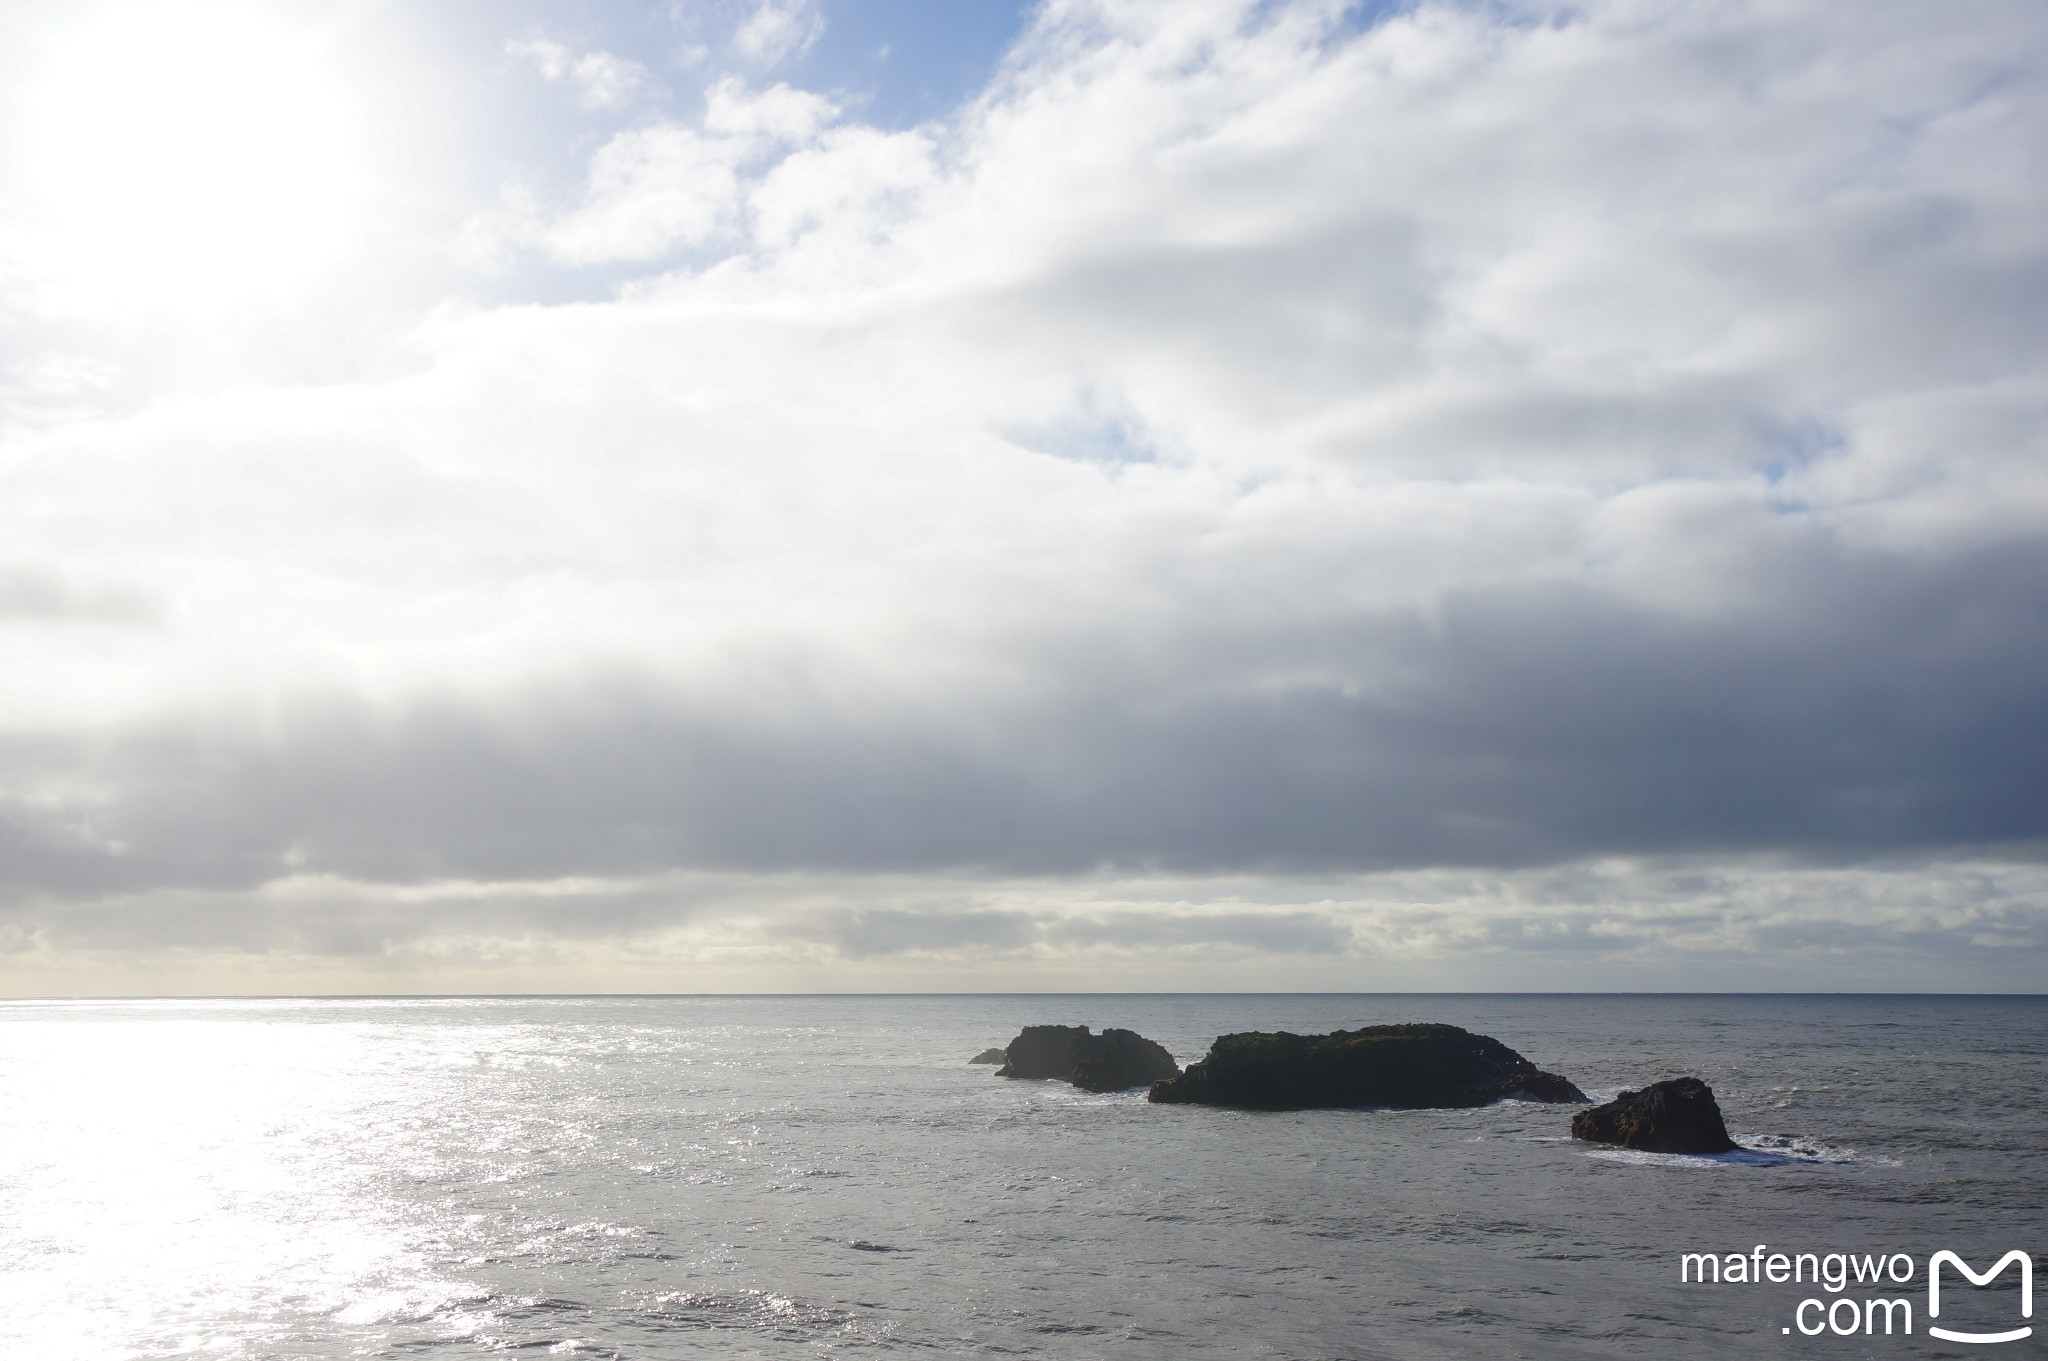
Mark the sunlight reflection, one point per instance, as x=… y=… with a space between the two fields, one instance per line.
x=186 y=1181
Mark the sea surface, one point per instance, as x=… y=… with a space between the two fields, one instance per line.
x=652 y=1177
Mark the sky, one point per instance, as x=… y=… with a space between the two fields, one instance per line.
x=932 y=495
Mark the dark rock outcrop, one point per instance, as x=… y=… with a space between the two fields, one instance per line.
x=991 y=1056
x=1679 y=1116
x=1412 y=1066
x=1120 y=1059
x=1108 y=1062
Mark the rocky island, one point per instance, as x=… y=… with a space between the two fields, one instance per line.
x=1679 y=1116
x=1407 y=1066
x=1109 y=1062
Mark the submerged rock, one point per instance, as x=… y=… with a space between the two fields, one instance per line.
x=1679 y=1116
x=991 y=1056
x=1108 y=1062
x=1412 y=1066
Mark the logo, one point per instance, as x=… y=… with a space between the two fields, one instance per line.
x=2026 y=1265
x=1851 y=1313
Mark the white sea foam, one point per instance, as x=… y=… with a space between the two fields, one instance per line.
x=1757 y=1150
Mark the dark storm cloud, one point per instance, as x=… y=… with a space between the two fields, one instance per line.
x=1867 y=704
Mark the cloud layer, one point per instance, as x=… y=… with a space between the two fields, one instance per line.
x=1292 y=460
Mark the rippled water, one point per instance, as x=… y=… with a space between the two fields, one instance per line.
x=665 y=1177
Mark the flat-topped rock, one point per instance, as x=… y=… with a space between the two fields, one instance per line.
x=1679 y=1116
x=1407 y=1066
x=1108 y=1062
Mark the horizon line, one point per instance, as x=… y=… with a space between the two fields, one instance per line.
x=632 y=996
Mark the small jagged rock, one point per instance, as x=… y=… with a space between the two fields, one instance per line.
x=991 y=1056
x=1108 y=1062
x=1678 y=1116
x=1541 y=1086
x=1404 y=1066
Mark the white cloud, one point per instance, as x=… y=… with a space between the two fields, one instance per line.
x=1235 y=452
x=655 y=189
x=856 y=176
x=777 y=30
x=602 y=80
x=651 y=190
x=778 y=115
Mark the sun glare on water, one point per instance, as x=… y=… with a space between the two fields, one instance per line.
x=185 y=157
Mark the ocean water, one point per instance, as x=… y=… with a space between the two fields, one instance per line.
x=827 y=1176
